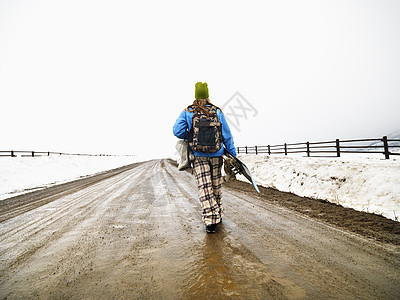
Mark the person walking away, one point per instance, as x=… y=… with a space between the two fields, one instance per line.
x=204 y=126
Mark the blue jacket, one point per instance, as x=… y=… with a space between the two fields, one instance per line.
x=184 y=123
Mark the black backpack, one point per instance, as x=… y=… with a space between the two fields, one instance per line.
x=206 y=133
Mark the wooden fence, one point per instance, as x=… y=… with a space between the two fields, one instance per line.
x=13 y=153
x=330 y=148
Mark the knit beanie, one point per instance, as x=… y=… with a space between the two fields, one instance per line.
x=201 y=91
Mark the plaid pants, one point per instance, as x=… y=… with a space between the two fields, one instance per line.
x=207 y=171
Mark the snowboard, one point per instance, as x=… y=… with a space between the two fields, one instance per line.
x=241 y=168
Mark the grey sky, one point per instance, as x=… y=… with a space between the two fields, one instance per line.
x=113 y=76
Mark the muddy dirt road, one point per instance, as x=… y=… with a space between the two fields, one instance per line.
x=137 y=233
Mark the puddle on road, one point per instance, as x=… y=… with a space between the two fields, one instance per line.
x=211 y=275
x=226 y=269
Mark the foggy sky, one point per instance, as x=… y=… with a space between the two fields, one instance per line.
x=113 y=76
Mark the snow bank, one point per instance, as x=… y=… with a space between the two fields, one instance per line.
x=365 y=184
x=19 y=174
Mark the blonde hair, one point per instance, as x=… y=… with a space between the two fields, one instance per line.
x=200 y=105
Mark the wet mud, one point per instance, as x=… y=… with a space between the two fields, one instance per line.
x=369 y=225
x=136 y=233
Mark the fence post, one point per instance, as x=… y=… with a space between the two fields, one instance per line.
x=308 y=149
x=238 y=150
x=33 y=153
x=48 y=153
x=12 y=153
x=256 y=150
x=337 y=148
x=269 y=150
x=246 y=149
x=386 y=147
x=285 y=149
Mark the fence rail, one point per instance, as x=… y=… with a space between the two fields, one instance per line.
x=329 y=148
x=12 y=153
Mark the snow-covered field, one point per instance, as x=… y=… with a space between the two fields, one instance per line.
x=365 y=184
x=21 y=174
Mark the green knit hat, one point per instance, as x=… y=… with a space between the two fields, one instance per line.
x=201 y=91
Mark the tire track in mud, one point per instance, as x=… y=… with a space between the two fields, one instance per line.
x=17 y=205
x=69 y=202
x=333 y=259
x=79 y=219
x=39 y=229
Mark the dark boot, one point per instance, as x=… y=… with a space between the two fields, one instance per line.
x=211 y=228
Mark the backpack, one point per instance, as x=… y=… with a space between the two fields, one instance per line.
x=206 y=133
